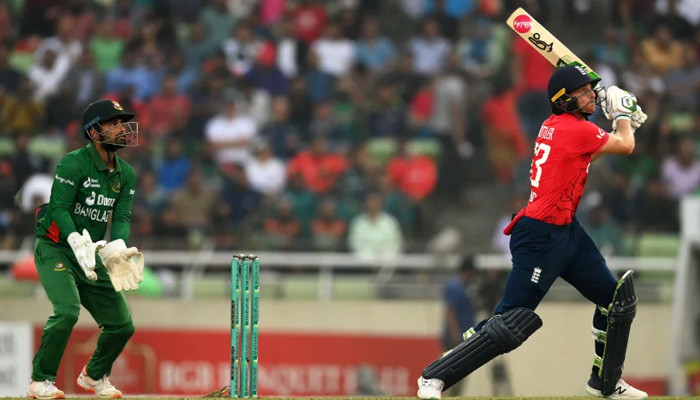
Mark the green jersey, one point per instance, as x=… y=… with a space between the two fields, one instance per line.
x=86 y=195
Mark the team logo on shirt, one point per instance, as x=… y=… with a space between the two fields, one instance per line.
x=117 y=187
x=59 y=267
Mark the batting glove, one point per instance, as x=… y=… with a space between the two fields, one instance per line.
x=619 y=104
x=84 y=250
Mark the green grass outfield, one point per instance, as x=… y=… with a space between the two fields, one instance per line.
x=389 y=398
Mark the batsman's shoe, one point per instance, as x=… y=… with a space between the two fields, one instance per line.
x=430 y=388
x=623 y=390
x=44 y=390
x=101 y=387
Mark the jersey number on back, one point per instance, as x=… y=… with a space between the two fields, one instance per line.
x=541 y=155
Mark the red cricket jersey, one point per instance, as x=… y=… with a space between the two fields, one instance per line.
x=559 y=168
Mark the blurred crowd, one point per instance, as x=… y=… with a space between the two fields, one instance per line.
x=338 y=125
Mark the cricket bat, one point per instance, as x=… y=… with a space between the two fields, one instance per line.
x=544 y=42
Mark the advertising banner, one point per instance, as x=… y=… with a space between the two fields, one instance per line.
x=195 y=362
x=16 y=351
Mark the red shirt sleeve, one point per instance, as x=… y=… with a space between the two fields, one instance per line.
x=588 y=138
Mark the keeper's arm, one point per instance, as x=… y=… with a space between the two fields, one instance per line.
x=121 y=219
x=63 y=194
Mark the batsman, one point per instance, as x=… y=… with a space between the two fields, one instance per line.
x=93 y=189
x=547 y=242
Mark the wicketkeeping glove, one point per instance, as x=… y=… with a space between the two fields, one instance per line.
x=124 y=265
x=84 y=250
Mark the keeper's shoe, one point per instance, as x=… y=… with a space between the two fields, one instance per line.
x=430 y=388
x=44 y=390
x=623 y=390
x=101 y=387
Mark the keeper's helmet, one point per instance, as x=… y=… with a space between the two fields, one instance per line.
x=101 y=111
x=565 y=80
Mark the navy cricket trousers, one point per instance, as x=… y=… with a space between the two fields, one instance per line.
x=543 y=252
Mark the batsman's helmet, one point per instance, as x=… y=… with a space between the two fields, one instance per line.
x=562 y=82
x=102 y=111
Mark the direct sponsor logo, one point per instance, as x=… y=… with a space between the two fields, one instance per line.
x=91 y=183
x=64 y=180
x=132 y=192
x=522 y=24
x=104 y=201
x=90 y=200
x=59 y=267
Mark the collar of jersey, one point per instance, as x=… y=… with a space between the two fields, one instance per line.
x=97 y=160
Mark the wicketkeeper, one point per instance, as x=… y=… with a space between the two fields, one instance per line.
x=92 y=187
x=547 y=242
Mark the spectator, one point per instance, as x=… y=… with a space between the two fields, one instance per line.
x=300 y=106
x=241 y=49
x=265 y=75
x=604 y=232
x=107 y=46
x=9 y=76
x=291 y=54
x=309 y=20
x=282 y=136
x=318 y=167
x=256 y=102
x=47 y=73
x=387 y=118
x=265 y=173
x=325 y=125
x=375 y=235
x=173 y=172
x=198 y=46
x=446 y=20
x=168 y=107
x=658 y=210
x=357 y=181
x=460 y=309
x=282 y=229
x=218 y=22
x=186 y=77
x=413 y=174
x=507 y=146
x=336 y=54
x=130 y=74
x=64 y=43
x=683 y=84
x=194 y=203
x=320 y=85
x=479 y=51
x=327 y=228
x=374 y=51
x=429 y=50
x=661 y=51
x=87 y=81
x=20 y=112
x=681 y=172
x=531 y=72
x=229 y=133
